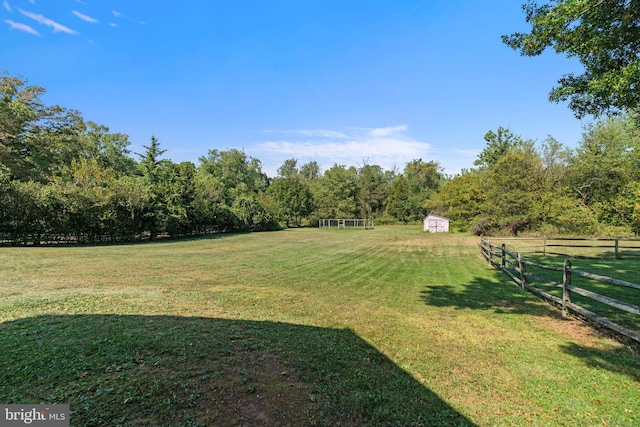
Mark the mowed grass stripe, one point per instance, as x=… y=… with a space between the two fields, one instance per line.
x=380 y=327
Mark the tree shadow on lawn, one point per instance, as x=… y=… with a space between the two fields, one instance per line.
x=623 y=360
x=498 y=295
x=504 y=296
x=165 y=370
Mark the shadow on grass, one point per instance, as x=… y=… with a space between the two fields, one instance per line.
x=625 y=269
x=499 y=296
x=622 y=360
x=503 y=296
x=179 y=371
x=617 y=269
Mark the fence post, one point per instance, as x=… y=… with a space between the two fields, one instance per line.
x=544 y=246
x=504 y=256
x=566 y=283
x=616 y=256
x=488 y=251
x=523 y=278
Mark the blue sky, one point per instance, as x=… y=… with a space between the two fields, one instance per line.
x=346 y=81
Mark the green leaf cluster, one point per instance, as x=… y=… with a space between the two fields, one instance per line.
x=604 y=35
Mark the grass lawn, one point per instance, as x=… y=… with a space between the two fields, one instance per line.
x=300 y=327
x=624 y=269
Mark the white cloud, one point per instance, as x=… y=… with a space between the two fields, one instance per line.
x=48 y=22
x=386 y=147
x=113 y=24
x=80 y=2
x=84 y=17
x=389 y=147
x=5 y=3
x=312 y=133
x=387 y=131
x=351 y=151
x=32 y=1
x=21 y=27
x=116 y=14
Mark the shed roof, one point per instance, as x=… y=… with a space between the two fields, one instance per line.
x=436 y=217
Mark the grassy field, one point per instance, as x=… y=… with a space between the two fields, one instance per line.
x=300 y=327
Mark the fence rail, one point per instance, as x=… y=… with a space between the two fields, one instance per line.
x=619 y=246
x=514 y=265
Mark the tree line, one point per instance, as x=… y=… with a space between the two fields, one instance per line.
x=520 y=186
x=64 y=178
x=61 y=175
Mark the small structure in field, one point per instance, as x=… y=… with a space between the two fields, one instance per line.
x=338 y=223
x=436 y=224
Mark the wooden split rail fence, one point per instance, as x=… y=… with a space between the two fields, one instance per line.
x=570 y=246
x=515 y=266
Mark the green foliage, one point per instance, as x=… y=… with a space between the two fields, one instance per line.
x=460 y=199
x=603 y=35
x=293 y=198
x=423 y=180
x=398 y=204
x=155 y=175
x=372 y=187
x=512 y=189
x=310 y=171
x=30 y=211
x=110 y=149
x=62 y=178
x=605 y=161
x=210 y=209
x=288 y=169
x=498 y=144
x=20 y=108
x=36 y=140
x=235 y=180
x=626 y=207
x=520 y=187
x=335 y=193
x=181 y=194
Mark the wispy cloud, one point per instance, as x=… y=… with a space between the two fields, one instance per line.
x=387 y=147
x=120 y=15
x=113 y=24
x=84 y=17
x=5 y=3
x=57 y=28
x=21 y=27
x=311 y=133
x=387 y=131
x=80 y=2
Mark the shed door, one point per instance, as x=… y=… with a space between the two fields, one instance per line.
x=436 y=226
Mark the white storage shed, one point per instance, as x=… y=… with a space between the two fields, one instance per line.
x=436 y=224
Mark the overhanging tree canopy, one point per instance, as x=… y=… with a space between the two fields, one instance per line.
x=604 y=35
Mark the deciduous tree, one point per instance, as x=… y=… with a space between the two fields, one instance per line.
x=498 y=143
x=293 y=198
x=604 y=35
